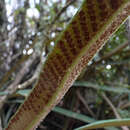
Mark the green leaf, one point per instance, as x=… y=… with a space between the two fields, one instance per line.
x=106 y=123
x=24 y=92
x=102 y=87
x=38 y=7
x=74 y=115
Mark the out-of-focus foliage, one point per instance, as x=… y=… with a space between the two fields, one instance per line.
x=28 y=31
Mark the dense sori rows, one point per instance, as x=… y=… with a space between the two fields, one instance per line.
x=77 y=37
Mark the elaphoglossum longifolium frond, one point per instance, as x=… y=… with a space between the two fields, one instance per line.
x=84 y=36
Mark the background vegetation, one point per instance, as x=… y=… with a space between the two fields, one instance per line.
x=28 y=31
